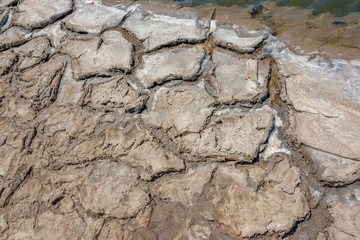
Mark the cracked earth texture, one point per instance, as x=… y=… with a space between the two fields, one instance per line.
x=121 y=123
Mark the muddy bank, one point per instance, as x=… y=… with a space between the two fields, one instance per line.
x=143 y=121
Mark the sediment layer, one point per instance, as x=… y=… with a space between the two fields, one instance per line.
x=121 y=123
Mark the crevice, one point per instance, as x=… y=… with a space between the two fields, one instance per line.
x=168 y=172
x=5 y=20
x=206 y=188
x=10 y=68
x=293 y=229
x=352 y=235
x=274 y=87
x=18 y=43
x=107 y=74
x=57 y=200
x=97 y=235
x=17 y=185
x=340 y=185
x=337 y=155
x=138 y=48
x=175 y=44
x=119 y=26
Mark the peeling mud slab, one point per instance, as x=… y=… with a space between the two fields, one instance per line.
x=180 y=64
x=33 y=14
x=237 y=202
x=112 y=93
x=239 y=80
x=231 y=135
x=32 y=53
x=334 y=170
x=13 y=36
x=180 y=109
x=237 y=38
x=99 y=56
x=94 y=19
x=330 y=107
x=157 y=31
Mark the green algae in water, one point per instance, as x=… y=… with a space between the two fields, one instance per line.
x=336 y=7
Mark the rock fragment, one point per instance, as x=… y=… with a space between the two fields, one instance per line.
x=231 y=135
x=157 y=31
x=178 y=64
x=237 y=38
x=239 y=80
x=94 y=18
x=32 y=14
x=100 y=56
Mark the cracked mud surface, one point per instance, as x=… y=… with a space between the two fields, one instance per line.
x=120 y=123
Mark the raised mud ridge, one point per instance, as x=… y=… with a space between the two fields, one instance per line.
x=120 y=123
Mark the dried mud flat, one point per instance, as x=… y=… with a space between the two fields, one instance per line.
x=124 y=123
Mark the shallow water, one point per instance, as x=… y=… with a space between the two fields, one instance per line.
x=335 y=7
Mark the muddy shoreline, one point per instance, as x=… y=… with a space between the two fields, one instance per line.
x=148 y=121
